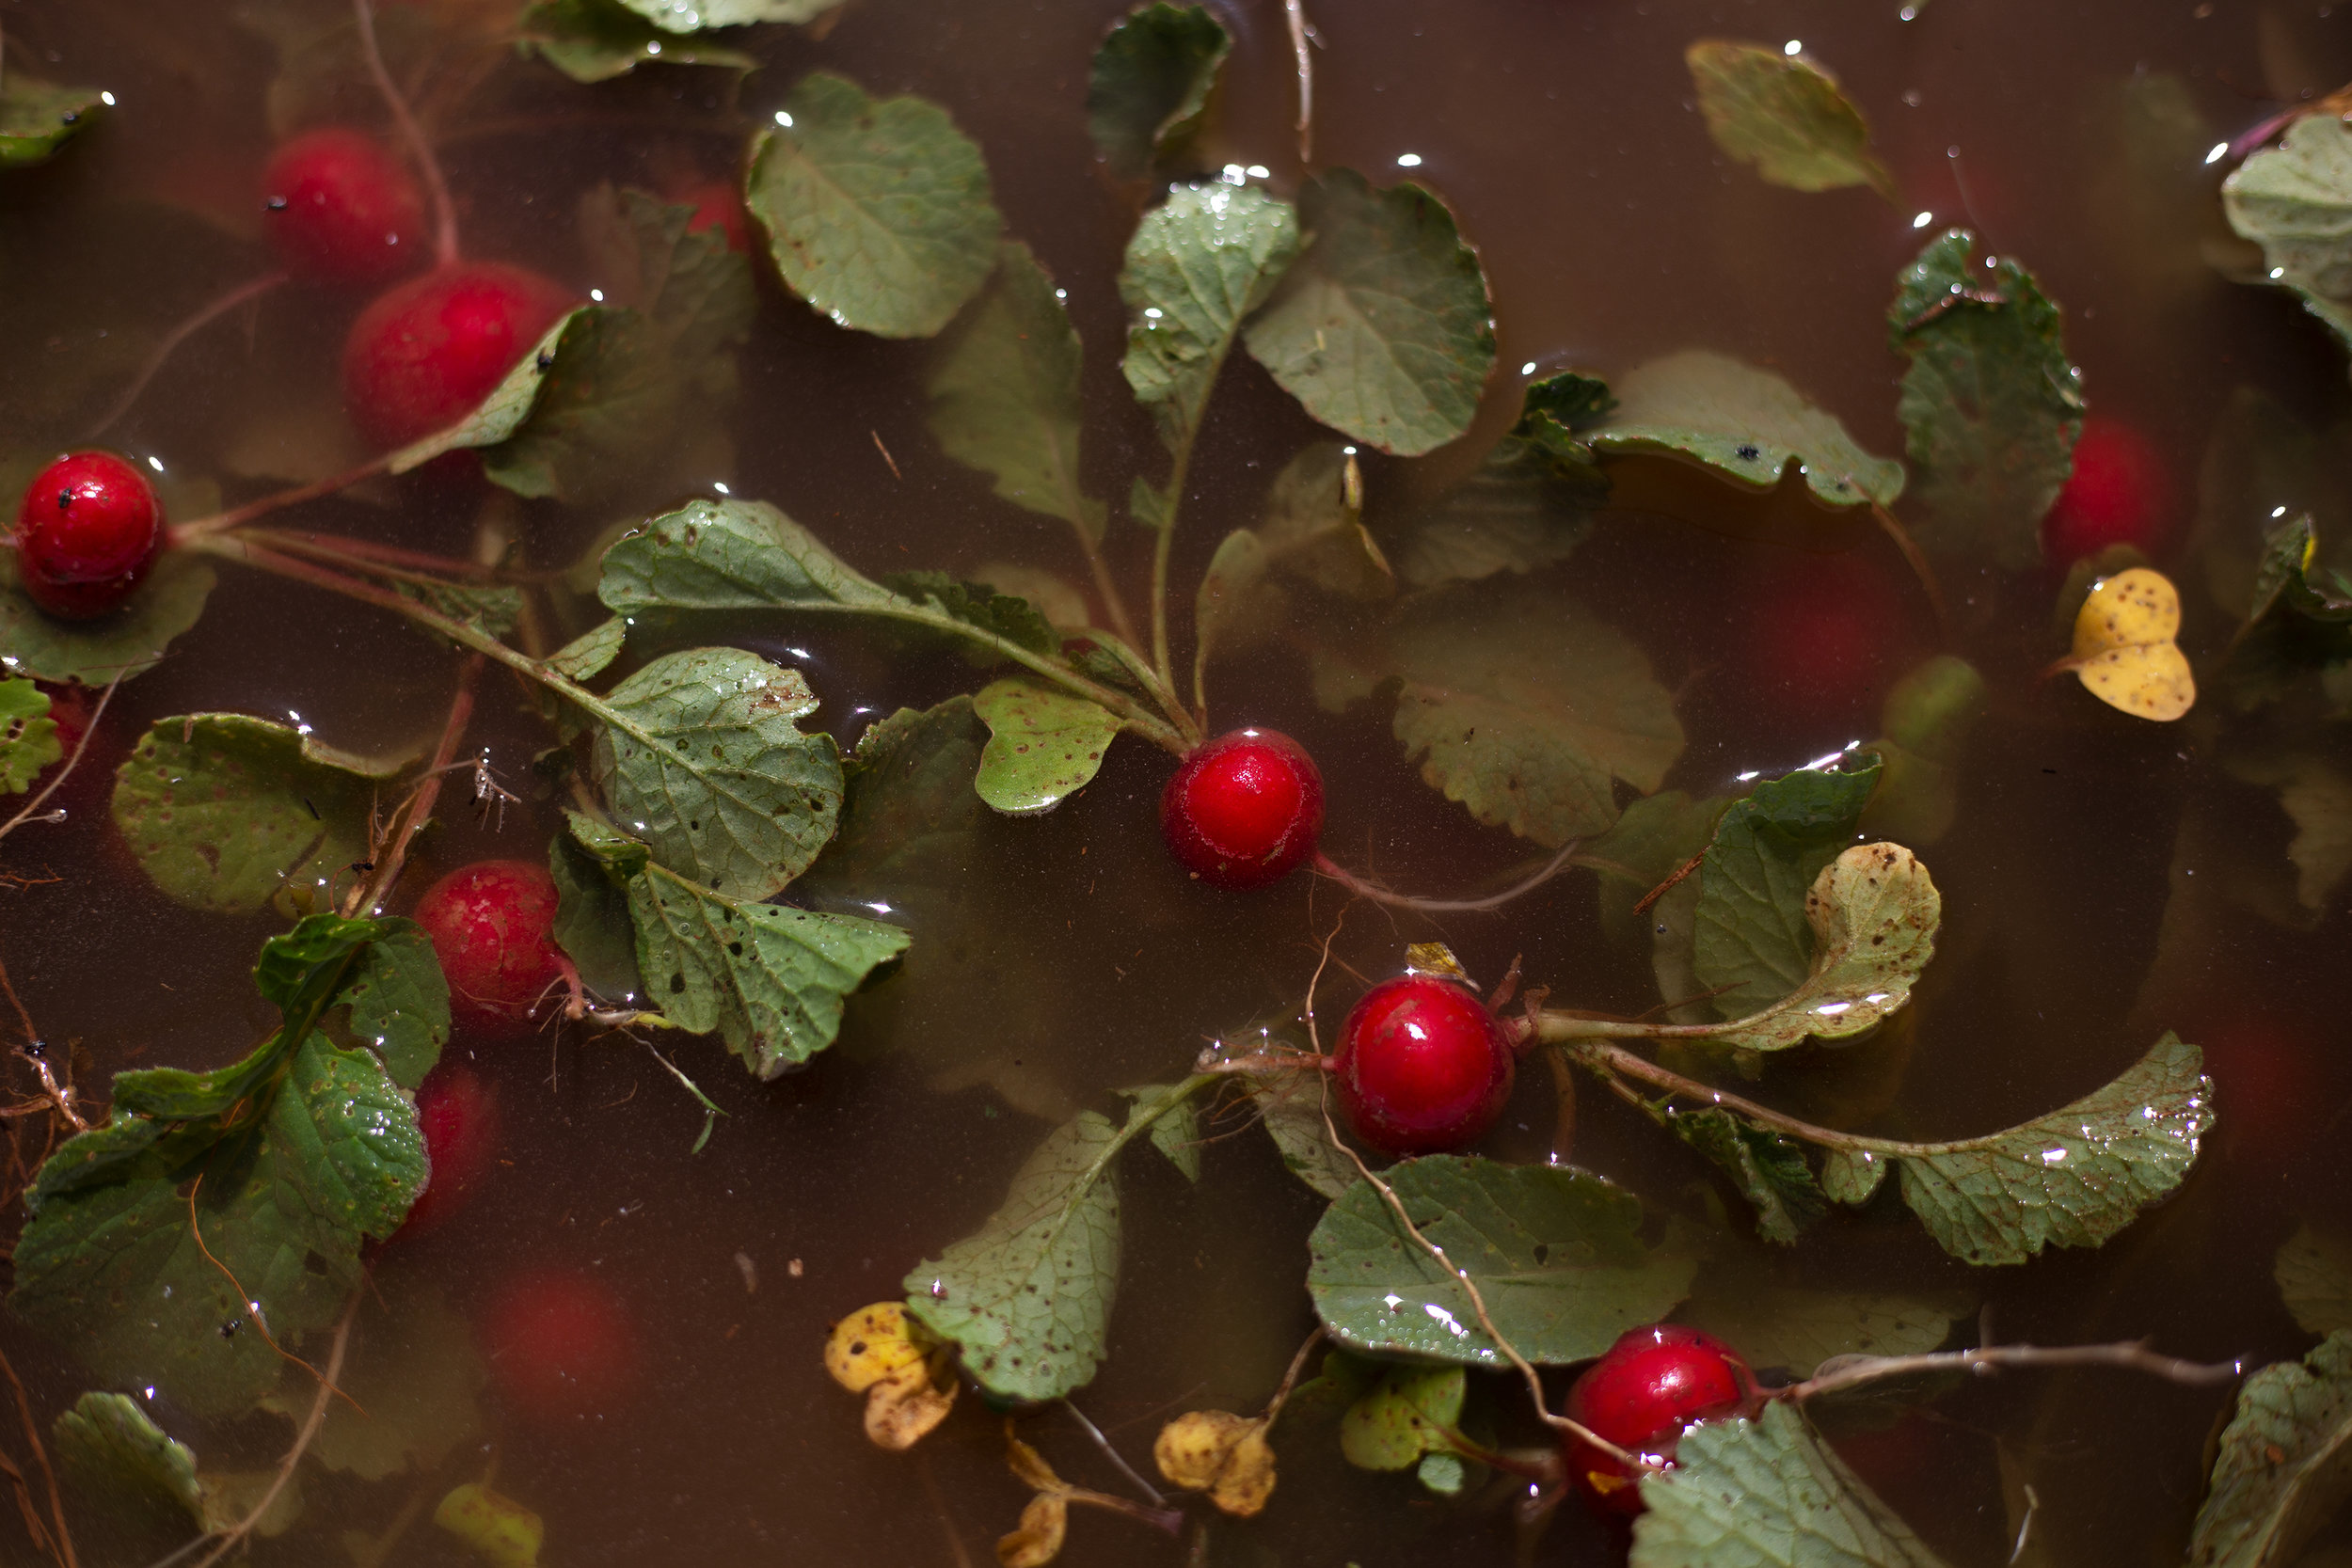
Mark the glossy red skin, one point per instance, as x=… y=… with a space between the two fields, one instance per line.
x=718 y=205
x=560 y=1345
x=427 y=352
x=1825 y=633
x=1423 y=1066
x=458 y=1115
x=338 y=208
x=88 y=533
x=1640 y=1395
x=2119 y=492
x=492 y=926
x=1244 y=810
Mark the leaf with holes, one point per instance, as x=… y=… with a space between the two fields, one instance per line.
x=1745 y=425
x=1383 y=329
x=28 y=736
x=1874 y=913
x=876 y=209
x=1556 y=1253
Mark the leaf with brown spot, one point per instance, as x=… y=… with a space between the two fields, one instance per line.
x=2124 y=653
x=902 y=1370
x=1220 y=1453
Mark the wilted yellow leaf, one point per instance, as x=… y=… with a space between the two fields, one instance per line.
x=1044 y=1523
x=1220 y=1453
x=502 y=1532
x=879 y=1352
x=2123 y=650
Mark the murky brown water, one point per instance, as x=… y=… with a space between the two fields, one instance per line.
x=1076 y=959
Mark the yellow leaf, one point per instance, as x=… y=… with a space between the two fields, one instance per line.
x=1038 y=1541
x=502 y=1532
x=879 y=1352
x=871 y=1344
x=2123 y=650
x=1220 y=1453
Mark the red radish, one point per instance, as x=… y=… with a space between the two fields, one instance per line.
x=717 y=205
x=1823 y=636
x=2271 y=1088
x=1640 y=1395
x=458 y=1115
x=492 y=926
x=1423 y=1066
x=88 y=531
x=2119 y=492
x=560 y=1345
x=341 y=209
x=1244 y=810
x=427 y=352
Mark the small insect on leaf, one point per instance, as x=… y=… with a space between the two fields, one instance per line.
x=1220 y=1453
x=500 y=1530
x=2123 y=650
x=880 y=1352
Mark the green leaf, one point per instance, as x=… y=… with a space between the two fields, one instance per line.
x=400 y=1001
x=1528 y=710
x=223 y=810
x=595 y=41
x=494 y=607
x=2282 y=577
x=2317 y=797
x=877 y=211
x=2294 y=200
x=1991 y=404
x=694 y=16
x=1925 y=725
x=588 y=655
x=1043 y=745
x=1197 y=265
x=978 y=604
x=1655 y=837
x=769 y=979
x=1313 y=528
x=1027 y=1297
x=28 y=736
x=1005 y=394
x=125 y=644
x=1151 y=83
x=1744 y=424
x=712 y=771
x=1175 y=1129
x=1767 y=1494
x=592 y=919
x=1384 y=330
x=123 y=1468
x=1769 y=1169
x=510 y=402
x=1405 y=1416
x=1874 y=915
x=2315 y=1274
x=1791 y=1326
x=1784 y=114
x=2284 y=1464
x=412 y=1367
x=1291 y=1105
x=1556 y=1253
x=1754 y=938
x=2073 y=1177
x=288 y=1161
x=911 y=810
x=37 y=117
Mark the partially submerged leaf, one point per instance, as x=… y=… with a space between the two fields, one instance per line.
x=1027 y=1297
x=119 y=1463
x=223 y=810
x=125 y=644
x=1151 y=83
x=510 y=402
x=1383 y=329
x=714 y=773
x=2294 y=200
x=1767 y=1494
x=1556 y=1253
x=1874 y=915
x=685 y=17
x=1783 y=113
x=1768 y=1167
x=36 y=117
x=587 y=656
x=2284 y=1463
x=28 y=736
x=910 y=811
x=496 y=1528
x=903 y=1371
x=416 y=1381
x=1991 y=404
x=1005 y=393
x=1291 y=1107
x=399 y=1001
x=595 y=41
x=2124 y=653
x=2315 y=1274
x=1198 y=265
x=1924 y=727
x=1410 y=1412
x=1043 y=745
x=1220 y=1453
x=1754 y=940
x=1528 y=710
x=2073 y=1177
x=877 y=211
x=1175 y=1125
x=1745 y=424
